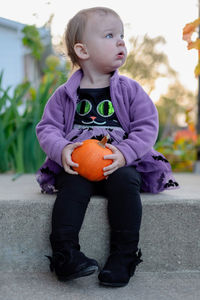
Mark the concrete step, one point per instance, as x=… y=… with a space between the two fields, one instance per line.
x=170 y=232
x=143 y=286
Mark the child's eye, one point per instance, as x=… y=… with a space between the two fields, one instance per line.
x=109 y=35
x=122 y=36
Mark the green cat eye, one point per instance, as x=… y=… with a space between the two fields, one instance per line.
x=105 y=108
x=83 y=107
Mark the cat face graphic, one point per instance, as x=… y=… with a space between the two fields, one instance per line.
x=102 y=114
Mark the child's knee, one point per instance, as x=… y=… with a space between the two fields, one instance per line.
x=125 y=176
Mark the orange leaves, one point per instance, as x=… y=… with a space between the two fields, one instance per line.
x=194 y=45
x=185 y=135
x=189 y=134
x=197 y=70
x=188 y=31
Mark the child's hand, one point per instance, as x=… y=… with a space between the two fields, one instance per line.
x=67 y=160
x=118 y=160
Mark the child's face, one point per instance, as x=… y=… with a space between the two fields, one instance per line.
x=103 y=38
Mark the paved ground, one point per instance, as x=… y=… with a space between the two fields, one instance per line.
x=143 y=286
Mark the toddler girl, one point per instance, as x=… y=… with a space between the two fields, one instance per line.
x=94 y=102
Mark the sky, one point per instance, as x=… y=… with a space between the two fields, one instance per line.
x=153 y=17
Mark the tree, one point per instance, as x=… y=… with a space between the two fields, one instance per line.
x=32 y=40
x=188 y=31
x=172 y=108
x=145 y=63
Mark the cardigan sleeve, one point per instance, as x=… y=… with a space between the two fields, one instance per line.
x=143 y=126
x=50 y=130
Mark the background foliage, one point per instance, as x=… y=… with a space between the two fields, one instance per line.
x=177 y=107
x=19 y=149
x=19 y=113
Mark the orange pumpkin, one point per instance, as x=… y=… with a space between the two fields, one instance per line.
x=89 y=156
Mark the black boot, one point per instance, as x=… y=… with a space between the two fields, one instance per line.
x=68 y=261
x=123 y=259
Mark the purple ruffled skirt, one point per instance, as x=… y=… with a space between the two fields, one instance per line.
x=154 y=168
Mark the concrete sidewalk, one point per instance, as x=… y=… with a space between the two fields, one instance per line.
x=143 y=286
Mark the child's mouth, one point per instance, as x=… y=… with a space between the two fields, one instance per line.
x=120 y=55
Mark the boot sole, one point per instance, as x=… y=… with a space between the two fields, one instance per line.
x=85 y=272
x=113 y=284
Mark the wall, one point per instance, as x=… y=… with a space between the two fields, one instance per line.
x=11 y=56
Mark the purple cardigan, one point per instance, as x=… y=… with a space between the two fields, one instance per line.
x=138 y=117
x=135 y=111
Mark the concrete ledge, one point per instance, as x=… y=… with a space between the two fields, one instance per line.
x=170 y=232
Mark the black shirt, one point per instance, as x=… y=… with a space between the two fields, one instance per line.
x=94 y=108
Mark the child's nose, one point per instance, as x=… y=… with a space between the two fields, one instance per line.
x=121 y=42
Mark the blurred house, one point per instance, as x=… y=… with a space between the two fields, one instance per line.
x=15 y=59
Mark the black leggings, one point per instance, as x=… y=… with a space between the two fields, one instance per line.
x=122 y=190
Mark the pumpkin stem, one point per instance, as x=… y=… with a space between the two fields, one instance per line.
x=104 y=141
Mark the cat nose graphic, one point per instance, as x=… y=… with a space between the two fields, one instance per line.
x=93 y=118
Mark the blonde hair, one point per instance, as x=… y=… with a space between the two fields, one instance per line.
x=76 y=26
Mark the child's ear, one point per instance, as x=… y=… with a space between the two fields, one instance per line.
x=81 y=51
